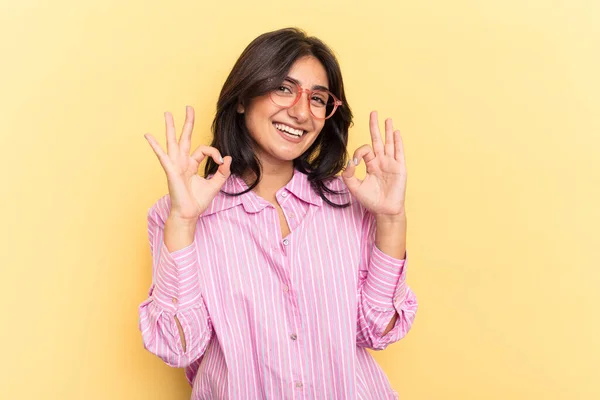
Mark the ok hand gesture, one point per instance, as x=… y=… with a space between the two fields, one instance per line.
x=190 y=193
x=383 y=190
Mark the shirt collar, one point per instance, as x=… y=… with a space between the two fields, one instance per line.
x=299 y=186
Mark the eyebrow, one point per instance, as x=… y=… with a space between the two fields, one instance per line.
x=315 y=87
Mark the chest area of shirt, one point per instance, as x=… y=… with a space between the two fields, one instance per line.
x=236 y=253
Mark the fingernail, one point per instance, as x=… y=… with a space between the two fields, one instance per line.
x=355 y=161
x=221 y=159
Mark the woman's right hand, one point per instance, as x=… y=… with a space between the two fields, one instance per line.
x=190 y=193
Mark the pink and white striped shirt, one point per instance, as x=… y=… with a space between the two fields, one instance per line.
x=266 y=317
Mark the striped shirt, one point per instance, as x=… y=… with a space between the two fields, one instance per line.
x=266 y=317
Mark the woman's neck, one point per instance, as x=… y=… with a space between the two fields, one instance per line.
x=272 y=179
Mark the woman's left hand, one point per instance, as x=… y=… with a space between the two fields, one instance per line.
x=383 y=190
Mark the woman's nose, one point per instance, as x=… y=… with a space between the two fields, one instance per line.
x=301 y=110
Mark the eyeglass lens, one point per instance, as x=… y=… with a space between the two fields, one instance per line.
x=321 y=101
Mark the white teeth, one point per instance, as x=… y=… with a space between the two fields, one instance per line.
x=288 y=129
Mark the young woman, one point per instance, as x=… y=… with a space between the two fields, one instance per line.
x=271 y=274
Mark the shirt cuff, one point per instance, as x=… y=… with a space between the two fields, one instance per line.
x=386 y=280
x=177 y=284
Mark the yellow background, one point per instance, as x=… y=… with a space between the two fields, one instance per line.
x=499 y=108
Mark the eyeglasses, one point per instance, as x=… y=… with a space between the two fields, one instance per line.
x=322 y=103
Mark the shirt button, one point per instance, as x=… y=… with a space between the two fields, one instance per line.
x=286 y=288
x=292 y=215
x=293 y=336
x=299 y=385
x=286 y=242
x=284 y=194
x=174 y=300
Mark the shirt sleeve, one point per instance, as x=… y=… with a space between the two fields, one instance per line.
x=174 y=295
x=382 y=293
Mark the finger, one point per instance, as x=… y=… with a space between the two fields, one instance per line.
x=363 y=152
x=163 y=158
x=185 y=140
x=172 y=148
x=350 y=180
x=203 y=151
x=219 y=178
x=389 y=137
x=399 y=147
x=375 y=134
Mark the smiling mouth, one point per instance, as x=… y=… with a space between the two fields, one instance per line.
x=289 y=130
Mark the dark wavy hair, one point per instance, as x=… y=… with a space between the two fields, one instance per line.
x=261 y=68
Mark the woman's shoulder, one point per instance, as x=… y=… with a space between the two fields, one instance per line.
x=161 y=209
x=340 y=193
x=336 y=184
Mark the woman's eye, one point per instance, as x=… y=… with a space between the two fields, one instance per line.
x=319 y=100
x=284 y=89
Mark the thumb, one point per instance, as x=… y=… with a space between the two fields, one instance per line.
x=350 y=180
x=219 y=178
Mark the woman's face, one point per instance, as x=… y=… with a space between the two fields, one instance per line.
x=267 y=122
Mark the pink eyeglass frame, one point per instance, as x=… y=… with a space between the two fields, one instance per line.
x=336 y=102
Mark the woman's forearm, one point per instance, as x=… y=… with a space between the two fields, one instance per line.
x=390 y=235
x=390 y=238
x=178 y=233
